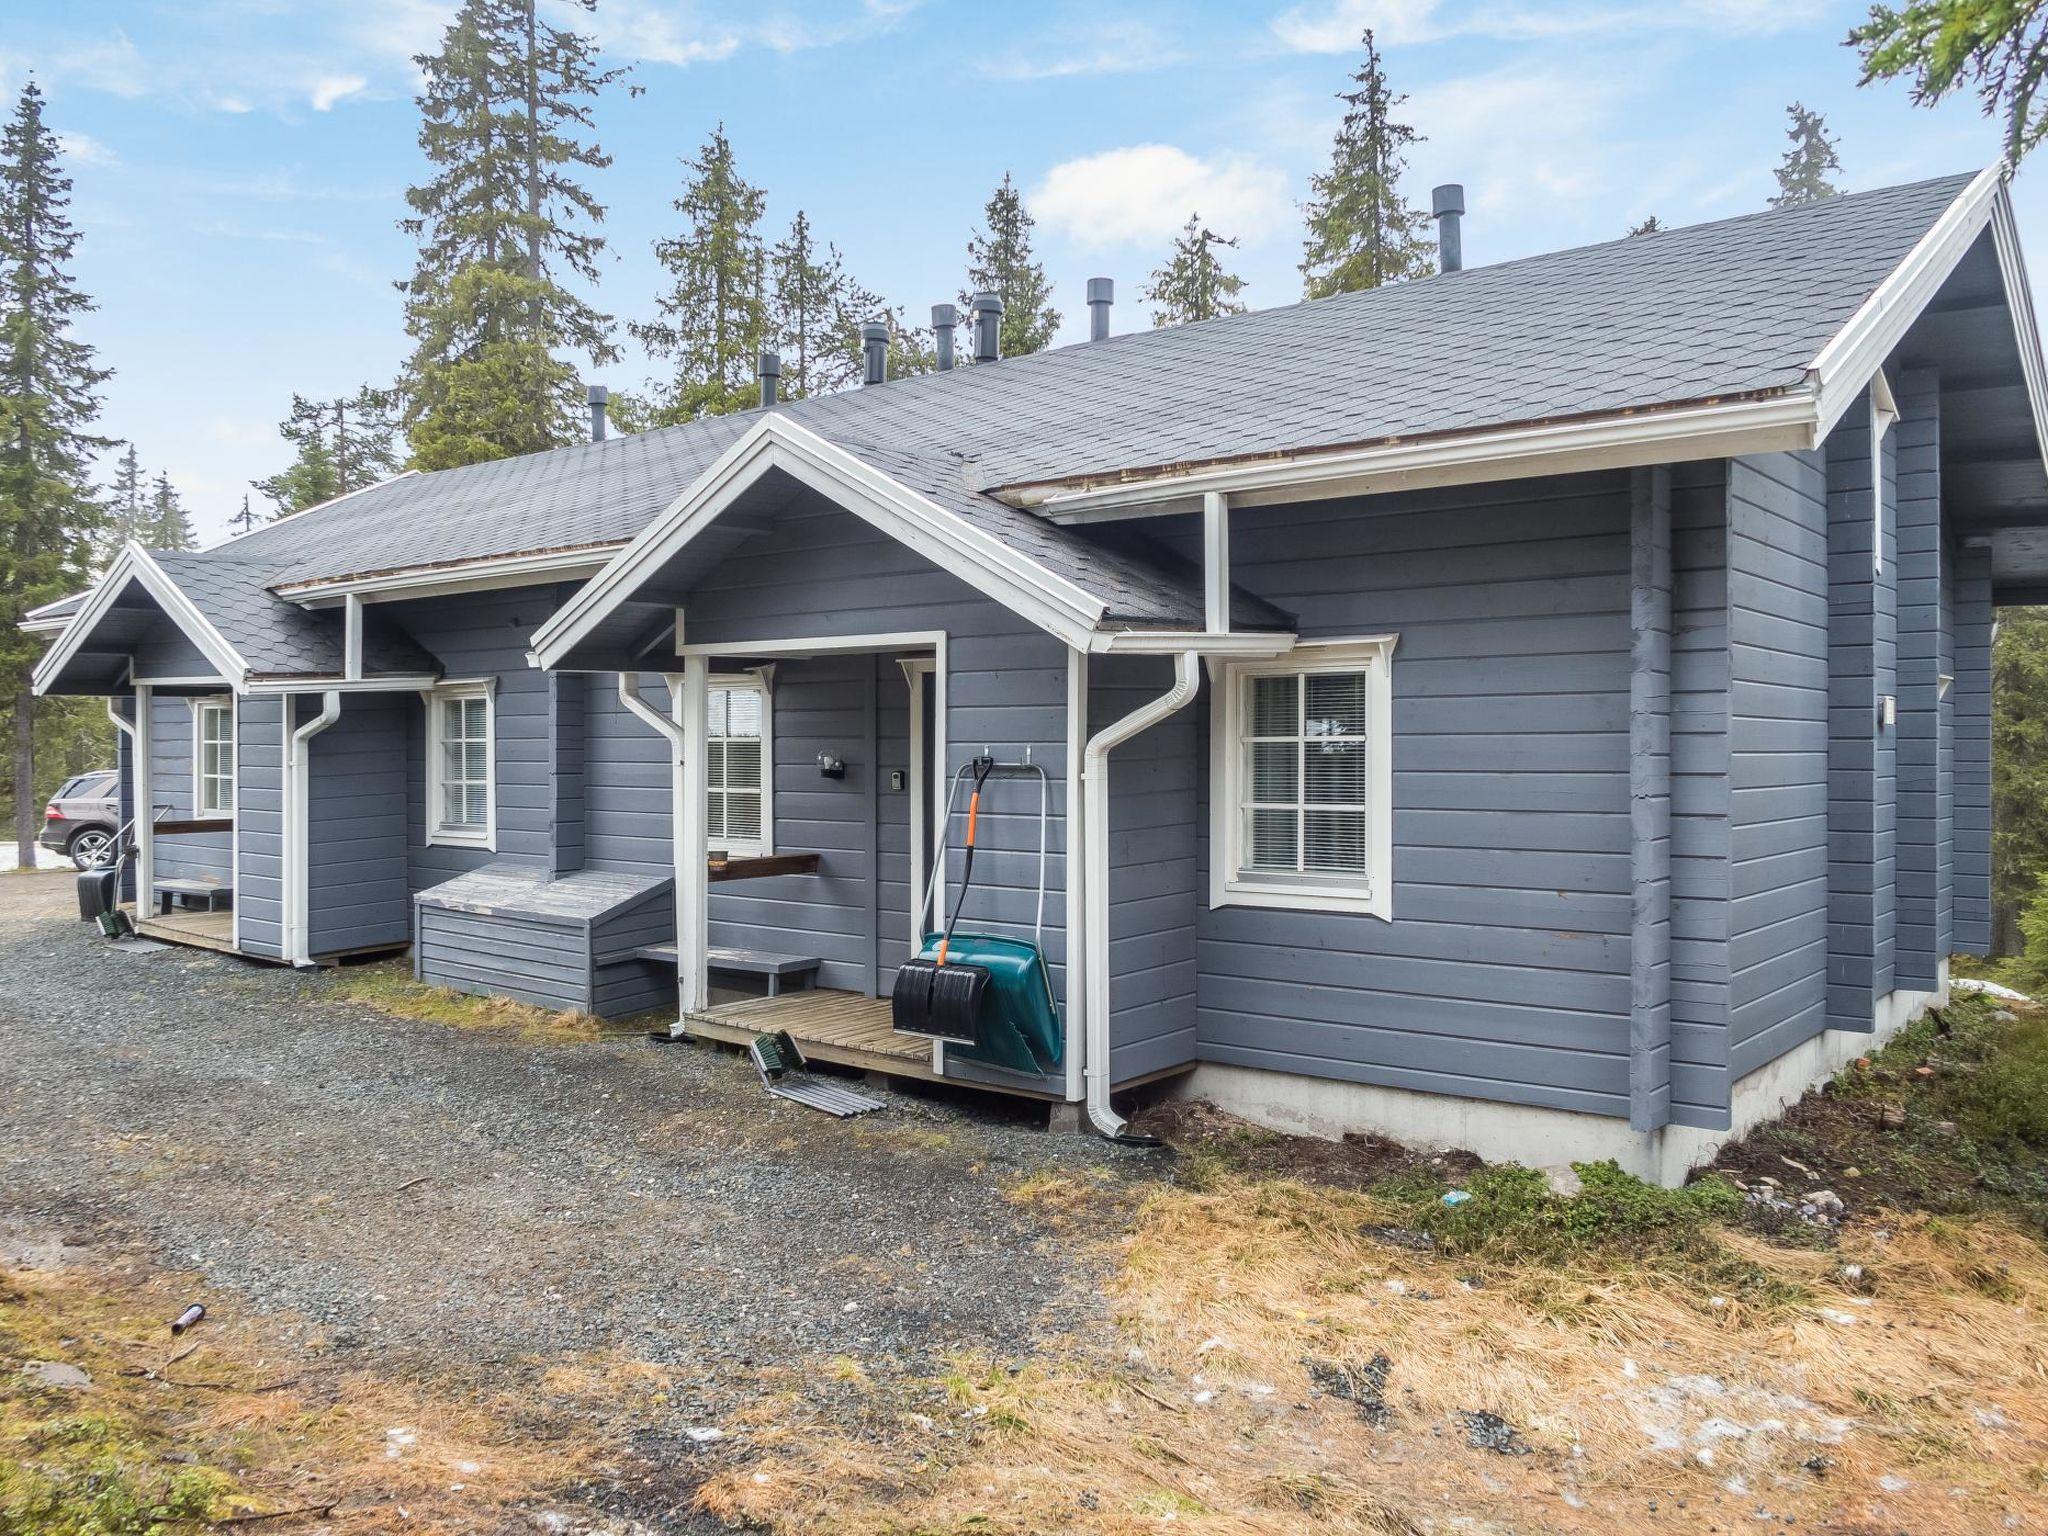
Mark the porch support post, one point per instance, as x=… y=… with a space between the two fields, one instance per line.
x=1649 y=787
x=1216 y=562
x=692 y=890
x=140 y=749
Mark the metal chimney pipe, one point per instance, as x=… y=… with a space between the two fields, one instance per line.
x=1447 y=207
x=600 y=397
x=944 y=318
x=771 y=377
x=1101 y=294
x=874 y=348
x=988 y=327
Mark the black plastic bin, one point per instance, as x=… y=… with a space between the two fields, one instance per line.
x=98 y=892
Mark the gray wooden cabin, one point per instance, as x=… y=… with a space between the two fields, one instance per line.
x=1541 y=707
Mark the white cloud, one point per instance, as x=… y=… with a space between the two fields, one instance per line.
x=1526 y=138
x=84 y=149
x=1145 y=192
x=329 y=89
x=1116 y=47
x=681 y=33
x=1334 y=26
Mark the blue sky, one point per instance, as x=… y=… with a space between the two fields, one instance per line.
x=241 y=164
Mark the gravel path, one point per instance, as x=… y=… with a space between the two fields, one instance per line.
x=624 y=1195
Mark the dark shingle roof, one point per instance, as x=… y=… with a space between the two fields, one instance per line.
x=1714 y=311
x=274 y=637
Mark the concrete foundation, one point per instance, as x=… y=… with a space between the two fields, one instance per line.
x=1544 y=1138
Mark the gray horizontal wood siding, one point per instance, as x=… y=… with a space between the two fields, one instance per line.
x=1921 y=830
x=182 y=855
x=502 y=955
x=1972 y=776
x=1504 y=973
x=1863 y=667
x=357 y=895
x=1154 y=869
x=259 y=817
x=1778 y=747
x=485 y=636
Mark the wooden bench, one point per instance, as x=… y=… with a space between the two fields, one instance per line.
x=212 y=891
x=750 y=962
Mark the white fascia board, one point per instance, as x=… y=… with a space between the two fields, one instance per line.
x=133 y=564
x=482 y=575
x=983 y=561
x=2019 y=298
x=1242 y=644
x=51 y=626
x=1842 y=368
x=1772 y=423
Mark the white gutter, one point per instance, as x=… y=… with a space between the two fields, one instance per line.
x=297 y=832
x=1095 y=874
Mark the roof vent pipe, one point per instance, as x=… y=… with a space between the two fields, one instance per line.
x=988 y=327
x=771 y=377
x=600 y=397
x=874 y=351
x=1447 y=207
x=944 y=318
x=1101 y=294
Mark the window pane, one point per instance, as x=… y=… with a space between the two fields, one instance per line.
x=474 y=718
x=714 y=820
x=1270 y=840
x=715 y=711
x=209 y=758
x=451 y=762
x=473 y=764
x=744 y=712
x=1336 y=704
x=1274 y=770
x=714 y=764
x=1336 y=841
x=743 y=818
x=1272 y=709
x=452 y=805
x=1336 y=773
x=743 y=765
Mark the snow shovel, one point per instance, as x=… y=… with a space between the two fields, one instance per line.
x=932 y=998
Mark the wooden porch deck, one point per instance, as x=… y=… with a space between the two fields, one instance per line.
x=844 y=1028
x=202 y=930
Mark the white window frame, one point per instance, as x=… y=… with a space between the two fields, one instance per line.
x=759 y=680
x=201 y=811
x=1229 y=884
x=1884 y=415
x=438 y=833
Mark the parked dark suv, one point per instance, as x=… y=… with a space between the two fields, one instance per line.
x=82 y=818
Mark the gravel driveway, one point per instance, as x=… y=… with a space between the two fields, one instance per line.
x=464 y=1199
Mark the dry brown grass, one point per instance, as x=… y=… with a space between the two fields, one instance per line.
x=1907 y=1399
x=389 y=987
x=266 y=1424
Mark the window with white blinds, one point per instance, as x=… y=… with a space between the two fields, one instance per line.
x=738 y=769
x=1303 y=771
x=460 y=764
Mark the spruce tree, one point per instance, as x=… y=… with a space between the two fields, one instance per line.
x=712 y=320
x=1361 y=232
x=1194 y=284
x=1649 y=226
x=503 y=224
x=127 y=511
x=245 y=520
x=1803 y=173
x=170 y=525
x=343 y=445
x=818 y=310
x=2000 y=48
x=49 y=400
x=1000 y=261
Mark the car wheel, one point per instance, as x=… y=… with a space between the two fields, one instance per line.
x=91 y=848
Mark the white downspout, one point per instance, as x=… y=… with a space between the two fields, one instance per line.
x=689 y=927
x=298 y=832
x=1095 y=875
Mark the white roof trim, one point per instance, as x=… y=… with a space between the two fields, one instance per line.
x=2019 y=296
x=481 y=574
x=1842 y=368
x=1765 y=425
x=134 y=564
x=775 y=442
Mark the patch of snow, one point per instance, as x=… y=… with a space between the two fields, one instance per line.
x=1989 y=989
